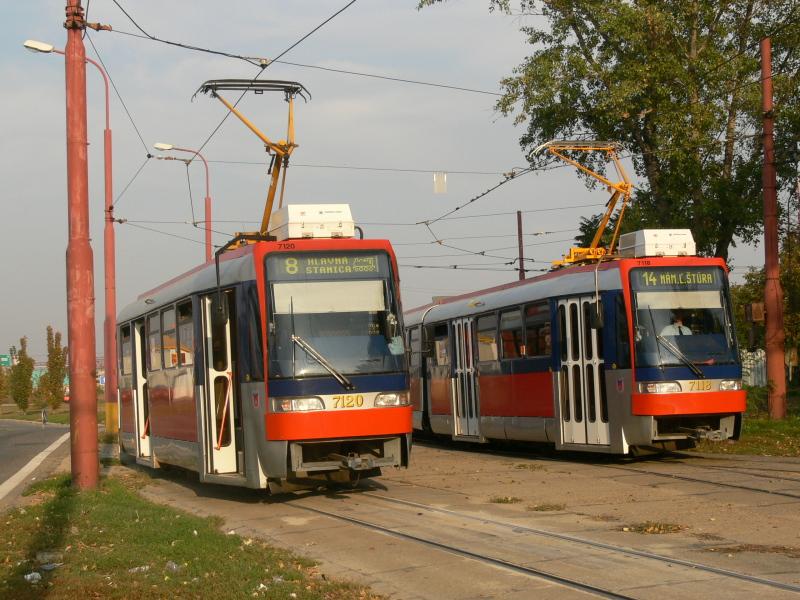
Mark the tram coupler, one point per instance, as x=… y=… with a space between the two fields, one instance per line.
x=354 y=462
x=712 y=435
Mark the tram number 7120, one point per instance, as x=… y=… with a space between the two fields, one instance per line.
x=348 y=401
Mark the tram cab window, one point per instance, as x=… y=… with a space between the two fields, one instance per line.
x=622 y=333
x=154 y=342
x=169 y=338
x=538 y=334
x=511 y=334
x=256 y=341
x=487 y=338
x=126 y=350
x=185 y=334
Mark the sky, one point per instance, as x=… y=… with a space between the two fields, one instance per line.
x=396 y=96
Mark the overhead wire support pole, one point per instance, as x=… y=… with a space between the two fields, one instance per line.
x=773 y=292
x=109 y=252
x=80 y=264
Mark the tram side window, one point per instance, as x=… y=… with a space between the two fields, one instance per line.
x=487 y=338
x=538 y=330
x=169 y=338
x=126 y=350
x=185 y=334
x=154 y=342
x=623 y=334
x=413 y=343
x=511 y=333
x=442 y=341
x=256 y=341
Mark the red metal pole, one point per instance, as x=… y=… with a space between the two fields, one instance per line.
x=110 y=323
x=519 y=237
x=80 y=265
x=773 y=293
x=109 y=258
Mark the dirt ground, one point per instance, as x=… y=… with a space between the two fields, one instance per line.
x=590 y=492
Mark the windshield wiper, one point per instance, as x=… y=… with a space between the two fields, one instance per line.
x=683 y=358
x=346 y=383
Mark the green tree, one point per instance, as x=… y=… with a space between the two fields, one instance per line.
x=20 y=379
x=678 y=84
x=3 y=385
x=752 y=290
x=51 y=383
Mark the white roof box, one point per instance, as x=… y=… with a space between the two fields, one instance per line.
x=296 y=221
x=657 y=242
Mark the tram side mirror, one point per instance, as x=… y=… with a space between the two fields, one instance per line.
x=596 y=315
x=428 y=337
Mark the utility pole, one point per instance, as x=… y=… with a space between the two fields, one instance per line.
x=519 y=237
x=773 y=293
x=80 y=264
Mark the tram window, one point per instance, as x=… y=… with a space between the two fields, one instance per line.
x=413 y=343
x=511 y=333
x=219 y=329
x=487 y=338
x=562 y=331
x=538 y=334
x=587 y=331
x=574 y=334
x=154 y=342
x=256 y=341
x=126 y=350
x=622 y=333
x=185 y=334
x=442 y=342
x=169 y=338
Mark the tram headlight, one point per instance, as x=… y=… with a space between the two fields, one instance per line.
x=659 y=387
x=297 y=404
x=730 y=385
x=392 y=399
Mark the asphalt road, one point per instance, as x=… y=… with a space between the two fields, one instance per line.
x=24 y=456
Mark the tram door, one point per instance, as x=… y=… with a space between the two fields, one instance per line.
x=142 y=399
x=220 y=442
x=464 y=389
x=584 y=406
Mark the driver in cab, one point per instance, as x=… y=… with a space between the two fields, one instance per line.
x=676 y=327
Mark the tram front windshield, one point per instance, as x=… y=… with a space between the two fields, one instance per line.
x=340 y=306
x=682 y=315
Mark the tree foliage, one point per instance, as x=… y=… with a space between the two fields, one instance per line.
x=752 y=290
x=20 y=379
x=3 y=384
x=51 y=384
x=678 y=84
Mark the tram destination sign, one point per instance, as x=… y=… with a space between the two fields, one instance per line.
x=326 y=265
x=675 y=277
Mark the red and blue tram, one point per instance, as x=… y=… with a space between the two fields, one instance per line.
x=280 y=366
x=632 y=354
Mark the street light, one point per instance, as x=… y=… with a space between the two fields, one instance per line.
x=166 y=148
x=109 y=253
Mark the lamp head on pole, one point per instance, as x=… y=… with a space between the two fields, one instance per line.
x=35 y=46
x=164 y=147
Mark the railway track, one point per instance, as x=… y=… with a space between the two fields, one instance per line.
x=584 y=459
x=621 y=558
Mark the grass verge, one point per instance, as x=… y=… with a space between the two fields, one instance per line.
x=61 y=416
x=111 y=543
